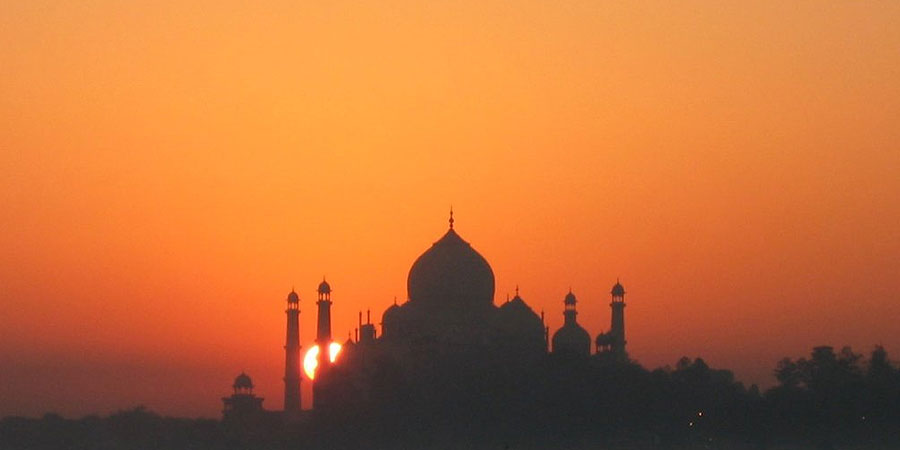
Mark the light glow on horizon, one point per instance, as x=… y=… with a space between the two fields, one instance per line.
x=174 y=168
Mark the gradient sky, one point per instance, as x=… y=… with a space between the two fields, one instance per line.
x=168 y=171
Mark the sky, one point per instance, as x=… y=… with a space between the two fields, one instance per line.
x=169 y=170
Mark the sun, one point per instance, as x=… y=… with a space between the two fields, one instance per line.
x=311 y=359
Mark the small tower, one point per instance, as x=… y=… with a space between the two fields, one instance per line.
x=617 y=326
x=242 y=404
x=323 y=341
x=292 y=355
x=571 y=340
x=613 y=341
x=323 y=330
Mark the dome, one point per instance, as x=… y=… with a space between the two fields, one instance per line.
x=451 y=274
x=604 y=339
x=243 y=381
x=618 y=290
x=324 y=287
x=570 y=298
x=390 y=314
x=572 y=339
x=293 y=297
x=518 y=316
x=518 y=311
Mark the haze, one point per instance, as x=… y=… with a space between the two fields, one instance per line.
x=170 y=171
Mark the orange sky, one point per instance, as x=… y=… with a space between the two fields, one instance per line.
x=169 y=171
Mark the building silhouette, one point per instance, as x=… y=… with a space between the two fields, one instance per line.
x=571 y=341
x=292 y=356
x=447 y=346
x=449 y=333
x=612 y=343
x=323 y=340
x=242 y=403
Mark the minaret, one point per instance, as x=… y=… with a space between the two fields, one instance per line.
x=323 y=331
x=617 y=327
x=323 y=341
x=292 y=355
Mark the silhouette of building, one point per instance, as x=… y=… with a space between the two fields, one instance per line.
x=292 y=355
x=438 y=345
x=323 y=340
x=242 y=404
x=613 y=341
x=571 y=340
x=522 y=332
x=450 y=329
x=367 y=330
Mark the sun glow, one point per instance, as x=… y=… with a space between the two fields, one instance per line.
x=311 y=359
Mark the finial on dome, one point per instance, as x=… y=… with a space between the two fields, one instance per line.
x=451 y=217
x=517 y=290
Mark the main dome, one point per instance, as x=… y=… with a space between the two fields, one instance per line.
x=451 y=274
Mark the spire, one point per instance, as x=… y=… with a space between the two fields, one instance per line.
x=451 y=217
x=517 y=290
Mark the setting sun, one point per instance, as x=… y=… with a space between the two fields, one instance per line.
x=311 y=359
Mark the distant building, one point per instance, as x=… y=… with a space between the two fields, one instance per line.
x=571 y=340
x=449 y=333
x=612 y=343
x=242 y=403
x=438 y=346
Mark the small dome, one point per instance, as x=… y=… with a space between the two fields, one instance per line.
x=517 y=315
x=243 y=381
x=518 y=308
x=604 y=339
x=293 y=297
x=572 y=339
x=390 y=314
x=324 y=287
x=618 y=290
x=570 y=298
x=390 y=321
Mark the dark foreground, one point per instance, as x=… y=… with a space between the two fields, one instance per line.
x=831 y=400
